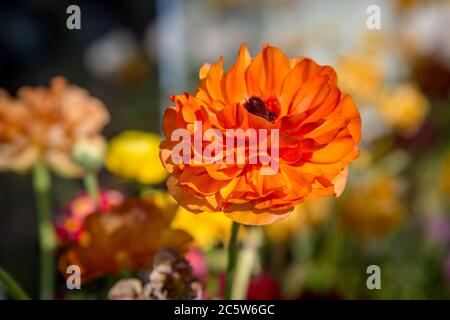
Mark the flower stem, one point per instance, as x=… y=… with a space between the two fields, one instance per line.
x=232 y=255
x=248 y=257
x=91 y=185
x=47 y=240
x=14 y=289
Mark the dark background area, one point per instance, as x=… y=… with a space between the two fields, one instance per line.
x=35 y=45
x=395 y=211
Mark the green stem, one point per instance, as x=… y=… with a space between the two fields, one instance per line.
x=144 y=189
x=91 y=185
x=14 y=289
x=232 y=255
x=248 y=257
x=47 y=239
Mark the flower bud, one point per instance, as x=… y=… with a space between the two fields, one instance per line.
x=90 y=152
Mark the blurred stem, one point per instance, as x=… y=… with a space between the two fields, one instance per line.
x=144 y=189
x=91 y=185
x=14 y=289
x=232 y=255
x=248 y=258
x=47 y=240
x=277 y=261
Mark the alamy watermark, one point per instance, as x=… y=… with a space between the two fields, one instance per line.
x=234 y=146
x=374 y=280
x=73 y=21
x=74 y=279
x=373 y=21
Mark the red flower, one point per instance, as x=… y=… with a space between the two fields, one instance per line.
x=263 y=287
x=70 y=225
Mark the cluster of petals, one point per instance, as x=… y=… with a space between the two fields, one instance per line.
x=43 y=123
x=124 y=237
x=319 y=128
x=69 y=226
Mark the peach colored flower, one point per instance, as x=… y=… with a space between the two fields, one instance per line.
x=319 y=128
x=44 y=123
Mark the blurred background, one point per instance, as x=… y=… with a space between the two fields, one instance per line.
x=132 y=55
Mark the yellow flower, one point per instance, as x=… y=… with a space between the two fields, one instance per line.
x=373 y=205
x=207 y=228
x=89 y=153
x=307 y=216
x=135 y=155
x=360 y=75
x=404 y=108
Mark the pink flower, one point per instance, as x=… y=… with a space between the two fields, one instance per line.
x=438 y=230
x=198 y=262
x=69 y=225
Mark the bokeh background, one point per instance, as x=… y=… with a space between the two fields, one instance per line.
x=395 y=212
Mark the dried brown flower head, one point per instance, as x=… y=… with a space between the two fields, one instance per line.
x=171 y=278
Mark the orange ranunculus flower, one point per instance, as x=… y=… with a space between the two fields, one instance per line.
x=124 y=238
x=319 y=128
x=44 y=123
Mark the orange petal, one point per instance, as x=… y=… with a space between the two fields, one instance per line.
x=276 y=67
x=187 y=200
x=334 y=151
x=340 y=181
x=257 y=219
x=236 y=86
x=204 y=69
x=348 y=108
x=198 y=179
x=266 y=73
x=214 y=81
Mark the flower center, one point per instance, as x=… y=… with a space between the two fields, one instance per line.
x=256 y=106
